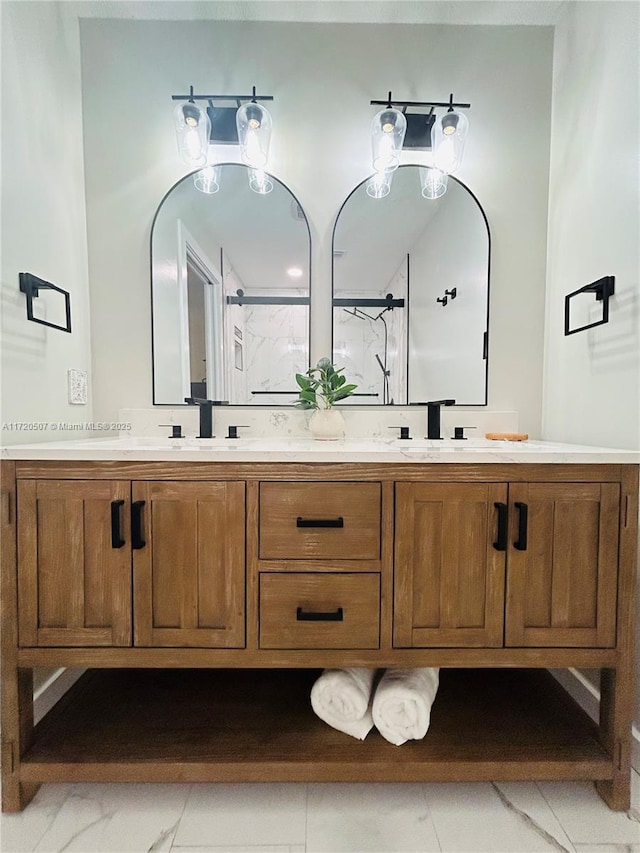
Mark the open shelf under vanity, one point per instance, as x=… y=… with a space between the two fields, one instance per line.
x=218 y=725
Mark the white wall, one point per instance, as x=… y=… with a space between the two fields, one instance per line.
x=43 y=214
x=322 y=77
x=592 y=379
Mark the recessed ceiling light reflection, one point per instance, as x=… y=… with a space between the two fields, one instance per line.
x=295 y=272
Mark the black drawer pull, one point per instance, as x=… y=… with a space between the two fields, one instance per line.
x=137 y=540
x=319 y=522
x=501 y=542
x=521 y=542
x=116 y=536
x=315 y=616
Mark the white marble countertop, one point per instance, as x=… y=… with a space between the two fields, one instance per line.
x=131 y=449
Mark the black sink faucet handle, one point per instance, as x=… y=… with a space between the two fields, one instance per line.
x=404 y=432
x=176 y=430
x=233 y=430
x=458 y=432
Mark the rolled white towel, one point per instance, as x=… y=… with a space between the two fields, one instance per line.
x=342 y=698
x=402 y=703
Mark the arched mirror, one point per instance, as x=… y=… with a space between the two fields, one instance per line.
x=230 y=279
x=411 y=294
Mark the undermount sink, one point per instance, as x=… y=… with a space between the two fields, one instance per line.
x=415 y=445
x=167 y=442
x=423 y=444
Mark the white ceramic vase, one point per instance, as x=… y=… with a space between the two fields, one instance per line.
x=326 y=424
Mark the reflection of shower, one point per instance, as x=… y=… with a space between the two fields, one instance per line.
x=358 y=312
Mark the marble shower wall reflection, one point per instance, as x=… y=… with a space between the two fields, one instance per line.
x=370 y=343
x=271 y=350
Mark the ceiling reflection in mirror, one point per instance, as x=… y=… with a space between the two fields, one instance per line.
x=411 y=294
x=230 y=280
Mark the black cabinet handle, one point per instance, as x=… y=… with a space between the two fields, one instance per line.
x=315 y=616
x=501 y=542
x=137 y=540
x=320 y=522
x=521 y=542
x=116 y=536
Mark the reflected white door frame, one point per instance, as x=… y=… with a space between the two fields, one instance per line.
x=190 y=252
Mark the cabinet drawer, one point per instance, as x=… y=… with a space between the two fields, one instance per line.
x=319 y=521
x=319 y=611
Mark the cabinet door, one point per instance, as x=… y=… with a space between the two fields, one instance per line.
x=449 y=577
x=74 y=557
x=561 y=586
x=189 y=564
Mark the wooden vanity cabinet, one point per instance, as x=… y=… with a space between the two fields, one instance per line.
x=116 y=563
x=74 y=582
x=562 y=578
x=449 y=578
x=320 y=565
x=206 y=594
x=558 y=555
x=189 y=570
x=319 y=610
x=329 y=521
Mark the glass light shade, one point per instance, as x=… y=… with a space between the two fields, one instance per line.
x=433 y=182
x=448 y=137
x=192 y=133
x=379 y=185
x=260 y=182
x=207 y=180
x=253 y=122
x=388 y=130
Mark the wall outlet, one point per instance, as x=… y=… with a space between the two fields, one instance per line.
x=77 y=383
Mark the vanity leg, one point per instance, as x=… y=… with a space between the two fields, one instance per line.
x=616 y=713
x=17 y=732
x=16 y=685
x=616 y=689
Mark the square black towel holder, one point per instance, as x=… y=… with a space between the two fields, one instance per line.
x=31 y=286
x=603 y=288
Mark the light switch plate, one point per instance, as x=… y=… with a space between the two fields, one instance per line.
x=77 y=382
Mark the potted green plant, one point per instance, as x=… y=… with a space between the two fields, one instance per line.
x=321 y=387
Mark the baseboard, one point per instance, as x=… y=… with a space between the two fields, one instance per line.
x=588 y=697
x=53 y=689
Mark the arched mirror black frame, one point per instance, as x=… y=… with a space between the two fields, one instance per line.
x=289 y=394
x=387 y=305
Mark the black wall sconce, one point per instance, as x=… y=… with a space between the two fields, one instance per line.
x=398 y=126
x=603 y=289
x=418 y=127
x=31 y=286
x=246 y=124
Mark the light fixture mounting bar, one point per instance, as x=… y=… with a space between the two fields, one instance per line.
x=387 y=102
x=194 y=97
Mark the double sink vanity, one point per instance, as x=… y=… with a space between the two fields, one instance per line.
x=201 y=585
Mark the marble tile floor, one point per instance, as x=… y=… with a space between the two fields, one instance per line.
x=514 y=817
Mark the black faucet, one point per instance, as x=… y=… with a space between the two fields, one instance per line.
x=206 y=415
x=433 y=417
